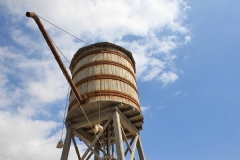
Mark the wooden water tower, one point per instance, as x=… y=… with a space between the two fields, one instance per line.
x=105 y=75
x=104 y=110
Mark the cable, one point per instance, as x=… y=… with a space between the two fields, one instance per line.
x=65 y=110
x=59 y=50
x=70 y=35
x=67 y=32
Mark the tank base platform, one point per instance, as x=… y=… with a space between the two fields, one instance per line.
x=117 y=127
x=130 y=117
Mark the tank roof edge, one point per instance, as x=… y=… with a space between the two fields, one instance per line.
x=102 y=44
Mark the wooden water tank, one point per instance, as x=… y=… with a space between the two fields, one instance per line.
x=105 y=73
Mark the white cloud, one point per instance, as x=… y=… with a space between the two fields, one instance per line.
x=151 y=115
x=26 y=80
x=152 y=74
x=159 y=107
x=23 y=138
x=187 y=39
x=186 y=57
x=168 y=77
x=24 y=133
x=176 y=93
x=144 y=108
x=23 y=40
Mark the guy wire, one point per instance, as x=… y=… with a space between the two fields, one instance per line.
x=65 y=110
x=67 y=32
x=59 y=50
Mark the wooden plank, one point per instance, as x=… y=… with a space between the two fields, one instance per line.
x=127 y=132
x=141 y=121
x=125 y=138
x=112 y=134
x=76 y=148
x=93 y=151
x=92 y=120
x=127 y=110
x=134 y=116
x=84 y=140
x=85 y=134
x=103 y=144
x=96 y=138
x=134 y=147
x=130 y=146
x=89 y=129
x=89 y=156
x=81 y=136
x=126 y=123
x=140 y=150
x=67 y=144
x=96 y=149
x=102 y=151
x=108 y=140
x=107 y=109
x=118 y=136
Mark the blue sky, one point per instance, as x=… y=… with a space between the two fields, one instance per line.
x=204 y=124
x=187 y=56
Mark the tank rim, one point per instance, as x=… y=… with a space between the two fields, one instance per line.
x=102 y=44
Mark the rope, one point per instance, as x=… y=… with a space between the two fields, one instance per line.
x=65 y=110
x=59 y=50
x=68 y=32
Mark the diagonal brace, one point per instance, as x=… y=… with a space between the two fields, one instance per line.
x=134 y=147
x=76 y=148
x=125 y=138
